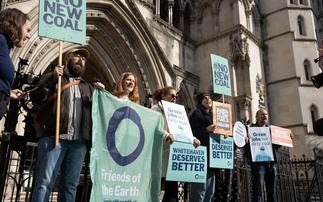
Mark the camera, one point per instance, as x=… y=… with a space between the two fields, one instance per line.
x=317 y=80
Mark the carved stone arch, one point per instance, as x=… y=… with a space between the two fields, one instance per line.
x=188 y=4
x=246 y=4
x=186 y=83
x=3 y=4
x=201 y=5
x=216 y=4
x=256 y=14
x=118 y=40
x=186 y=98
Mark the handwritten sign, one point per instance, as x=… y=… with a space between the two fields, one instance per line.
x=222 y=118
x=221 y=75
x=63 y=20
x=186 y=163
x=281 y=136
x=177 y=121
x=221 y=151
x=260 y=144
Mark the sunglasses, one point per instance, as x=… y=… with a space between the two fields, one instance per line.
x=173 y=96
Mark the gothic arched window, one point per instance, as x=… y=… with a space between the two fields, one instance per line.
x=307 y=70
x=301 y=26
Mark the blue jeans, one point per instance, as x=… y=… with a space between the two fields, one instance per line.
x=263 y=172
x=67 y=156
x=203 y=192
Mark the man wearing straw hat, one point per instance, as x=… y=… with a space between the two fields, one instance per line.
x=74 y=128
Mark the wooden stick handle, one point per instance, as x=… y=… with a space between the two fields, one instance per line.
x=58 y=109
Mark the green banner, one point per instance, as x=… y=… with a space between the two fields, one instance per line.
x=63 y=20
x=126 y=150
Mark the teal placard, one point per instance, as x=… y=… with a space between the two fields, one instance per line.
x=63 y=20
x=221 y=151
x=221 y=75
x=187 y=163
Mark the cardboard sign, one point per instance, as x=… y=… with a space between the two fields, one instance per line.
x=239 y=134
x=222 y=118
x=281 y=136
x=177 y=121
x=187 y=163
x=221 y=151
x=221 y=75
x=260 y=144
x=63 y=20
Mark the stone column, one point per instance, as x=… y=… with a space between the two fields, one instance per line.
x=158 y=8
x=170 y=11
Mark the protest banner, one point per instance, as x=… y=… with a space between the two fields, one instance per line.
x=187 y=163
x=260 y=144
x=222 y=118
x=63 y=20
x=221 y=151
x=221 y=75
x=239 y=134
x=125 y=162
x=177 y=122
x=281 y=136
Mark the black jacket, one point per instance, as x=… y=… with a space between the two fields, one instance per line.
x=47 y=123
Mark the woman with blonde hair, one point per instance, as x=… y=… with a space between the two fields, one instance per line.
x=127 y=88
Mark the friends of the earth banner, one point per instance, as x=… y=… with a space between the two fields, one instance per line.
x=63 y=20
x=126 y=150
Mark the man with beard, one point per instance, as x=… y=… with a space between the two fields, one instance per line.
x=264 y=171
x=74 y=129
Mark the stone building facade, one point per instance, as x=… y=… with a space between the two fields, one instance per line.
x=270 y=46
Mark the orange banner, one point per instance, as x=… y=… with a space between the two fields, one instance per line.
x=222 y=118
x=281 y=136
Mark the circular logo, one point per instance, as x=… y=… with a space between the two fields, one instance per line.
x=118 y=116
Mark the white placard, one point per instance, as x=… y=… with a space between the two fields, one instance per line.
x=260 y=144
x=177 y=122
x=239 y=134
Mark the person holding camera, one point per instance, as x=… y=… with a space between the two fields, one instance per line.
x=15 y=30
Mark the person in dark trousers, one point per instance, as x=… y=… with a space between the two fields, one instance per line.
x=74 y=130
x=202 y=124
x=264 y=171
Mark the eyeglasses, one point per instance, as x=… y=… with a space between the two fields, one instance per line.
x=173 y=96
x=80 y=56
